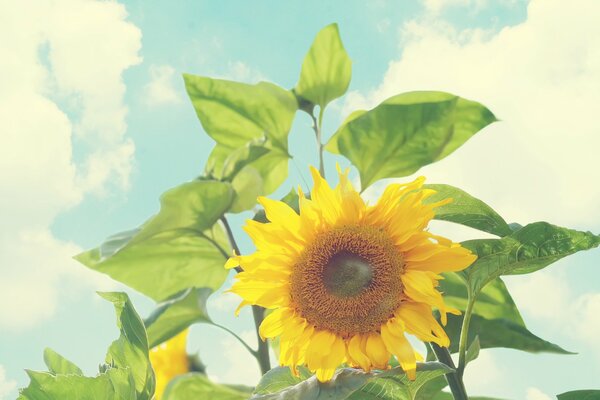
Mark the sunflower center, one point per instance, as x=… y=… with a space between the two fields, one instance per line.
x=348 y=280
x=346 y=274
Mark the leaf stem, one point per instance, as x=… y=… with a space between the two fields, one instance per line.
x=318 y=134
x=258 y=312
x=242 y=341
x=464 y=336
x=457 y=387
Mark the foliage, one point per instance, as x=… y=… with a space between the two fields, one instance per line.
x=177 y=257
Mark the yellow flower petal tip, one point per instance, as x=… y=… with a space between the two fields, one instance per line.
x=331 y=274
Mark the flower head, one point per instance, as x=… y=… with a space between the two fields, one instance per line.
x=345 y=280
x=169 y=359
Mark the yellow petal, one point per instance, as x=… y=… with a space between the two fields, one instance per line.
x=325 y=199
x=273 y=323
x=398 y=345
x=419 y=321
x=377 y=351
x=356 y=353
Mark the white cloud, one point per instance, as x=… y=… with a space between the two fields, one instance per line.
x=6 y=385
x=161 y=88
x=536 y=394
x=437 y=6
x=241 y=364
x=61 y=77
x=539 y=163
x=483 y=373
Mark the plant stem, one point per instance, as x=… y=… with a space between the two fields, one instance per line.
x=457 y=387
x=262 y=354
x=464 y=336
x=317 y=129
x=250 y=349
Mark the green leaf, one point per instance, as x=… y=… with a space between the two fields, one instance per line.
x=181 y=247
x=198 y=386
x=467 y=210
x=248 y=185
x=112 y=385
x=347 y=383
x=400 y=387
x=280 y=378
x=57 y=364
x=580 y=395
x=176 y=314
x=499 y=333
x=130 y=350
x=406 y=132
x=196 y=206
x=243 y=156
x=237 y=115
x=494 y=301
x=498 y=322
x=473 y=350
x=326 y=70
x=126 y=376
x=529 y=249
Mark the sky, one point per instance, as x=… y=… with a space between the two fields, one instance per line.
x=95 y=125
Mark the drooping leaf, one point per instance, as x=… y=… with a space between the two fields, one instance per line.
x=467 y=210
x=326 y=70
x=198 y=386
x=399 y=386
x=176 y=314
x=347 y=383
x=529 y=249
x=57 y=364
x=237 y=115
x=243 y=156
x=181 y=247
x=580 y=395
x=406 y=132
x=130 y=350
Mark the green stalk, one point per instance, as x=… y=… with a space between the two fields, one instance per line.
x=318 y=134
x=464 y=336
x=457 y=387
x=262 y=354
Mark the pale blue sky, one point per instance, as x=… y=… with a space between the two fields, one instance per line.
x=395 y=46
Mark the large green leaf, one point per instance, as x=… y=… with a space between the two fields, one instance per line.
x=181 y=247
x=580 y=395
x=176 y=314
x=496 y=321
x=467 y=210
x=114 y=384
x=57 y=364
x=130 y=350
x=126 y=376
x=494 y=301
x=406 y=132
x=347 y=383
x=399 y=387
x=237 y=115
x=326 y=70
x=195 y=205
x=198 y=386
x=529 y=249
x=499 y=332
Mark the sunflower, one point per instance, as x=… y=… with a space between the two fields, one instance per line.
x=169 y=359
x=346 y=280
